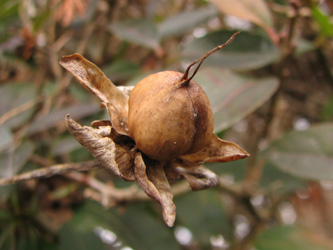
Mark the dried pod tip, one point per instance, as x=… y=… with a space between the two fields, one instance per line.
x=185 y=79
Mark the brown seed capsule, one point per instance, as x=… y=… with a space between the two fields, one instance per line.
x=168 y=116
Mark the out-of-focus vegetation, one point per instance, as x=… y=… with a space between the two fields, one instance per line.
x=271 y=91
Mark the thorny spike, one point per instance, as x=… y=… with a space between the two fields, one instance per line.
x=185 y=80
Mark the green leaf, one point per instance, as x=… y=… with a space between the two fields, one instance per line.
x=56 y=116
x=65 y=145
x=5 y=237
x=19 y=97
x=6 y=137
x=233 y=96
x=278 y=181
x=11 y=163
x=326 y=26
x=289 y=238
x=9 y=9
x=272 y=179
x=247 y=51
x=307 y=154
x=326 y=113
x=253 y=11
x=135 y=226
x=203 y=213
x=71 y=237
x=121 y=70
x=236 y=169
x=142 y=32
x=185 y=21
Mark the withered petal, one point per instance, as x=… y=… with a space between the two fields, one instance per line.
x=199 y=177
x=93 y=79
x=113 y=157
x=155 y=184
x=217 y=151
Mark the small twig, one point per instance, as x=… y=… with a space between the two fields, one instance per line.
x=50 y=171
x=108 y=195
x=286 y=44
x=185 y=79
x=105 y=193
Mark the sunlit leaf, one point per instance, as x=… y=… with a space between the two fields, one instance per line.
x=307 y=154
x=142 y=32
x=8 y=9
x=233 y=96
x=324 y=22
x=247 y=51
x=185 y=21
x=253 y=11
x=291 y=238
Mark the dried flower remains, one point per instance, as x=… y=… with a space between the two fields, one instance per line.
x=116 y=145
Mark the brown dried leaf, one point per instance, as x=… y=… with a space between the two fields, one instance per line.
x=155 y=184
x=199 y=177
x=125 y=161
x=93 y=79
x=109 y=154
x=217 y=151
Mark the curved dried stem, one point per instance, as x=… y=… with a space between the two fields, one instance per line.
x=185 y=79
x=53 y=170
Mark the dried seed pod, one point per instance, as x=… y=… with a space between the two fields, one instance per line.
x=169 y=116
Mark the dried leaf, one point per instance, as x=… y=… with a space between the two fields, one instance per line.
x=93 y=79
x=253 y=11
x=217 y=151
x=155 y=184
x=199 y=177
x=125 y=161
x=109 y=154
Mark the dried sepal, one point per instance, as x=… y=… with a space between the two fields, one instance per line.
x=93 y=79
x=102 y=147
x=153 y=181
x=199 y=177
x=217 y=151
x=125 y=161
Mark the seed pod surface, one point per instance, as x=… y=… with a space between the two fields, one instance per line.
x=166 y=118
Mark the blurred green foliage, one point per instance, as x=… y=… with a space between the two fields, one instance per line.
x=258 y=87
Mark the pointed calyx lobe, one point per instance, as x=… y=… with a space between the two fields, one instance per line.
x=93 y=79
